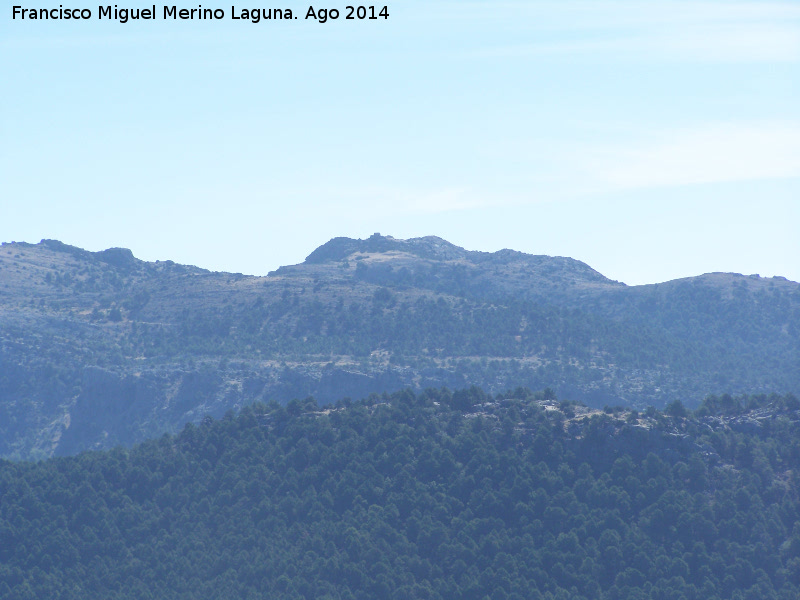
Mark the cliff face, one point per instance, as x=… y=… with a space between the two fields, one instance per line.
x=99 y=349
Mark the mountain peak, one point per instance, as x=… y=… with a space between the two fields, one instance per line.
x=431 y=247
x=117 y=257
x=437 y=250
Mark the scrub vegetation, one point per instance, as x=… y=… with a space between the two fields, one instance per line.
x=99 y=349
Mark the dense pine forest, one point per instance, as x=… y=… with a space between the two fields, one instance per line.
x=436 y=495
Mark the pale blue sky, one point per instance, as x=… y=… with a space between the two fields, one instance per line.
x=652 y=140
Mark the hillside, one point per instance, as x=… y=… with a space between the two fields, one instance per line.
x=99 y=349
x=441 y=495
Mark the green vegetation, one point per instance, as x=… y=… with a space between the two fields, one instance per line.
x=100 y=349
x=436 y=495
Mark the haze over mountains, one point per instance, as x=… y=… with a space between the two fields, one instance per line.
x=100 y=349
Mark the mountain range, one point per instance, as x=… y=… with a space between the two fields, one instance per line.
x=99 y=349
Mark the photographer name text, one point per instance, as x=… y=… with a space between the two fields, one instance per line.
x=200 y=13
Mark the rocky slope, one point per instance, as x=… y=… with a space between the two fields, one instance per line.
x=99 y=349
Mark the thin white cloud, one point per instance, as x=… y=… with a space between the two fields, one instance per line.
x=720 y=43
x=716 y=153
x=671 y=30
x=634 y=13
x=376 y=201
x=434 y=201
x=565 y=15
x=559 y=169
x=733 y=43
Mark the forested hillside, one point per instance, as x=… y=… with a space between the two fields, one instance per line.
x=100 y=348
x=439 y=495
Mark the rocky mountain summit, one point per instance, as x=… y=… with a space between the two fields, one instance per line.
x=100 y=348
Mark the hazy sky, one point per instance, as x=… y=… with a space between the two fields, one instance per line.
x=652 y=140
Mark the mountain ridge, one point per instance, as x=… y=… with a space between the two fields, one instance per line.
x=100 y=348
x=322 y=254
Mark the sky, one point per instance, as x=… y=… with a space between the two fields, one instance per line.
x=652 y=140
